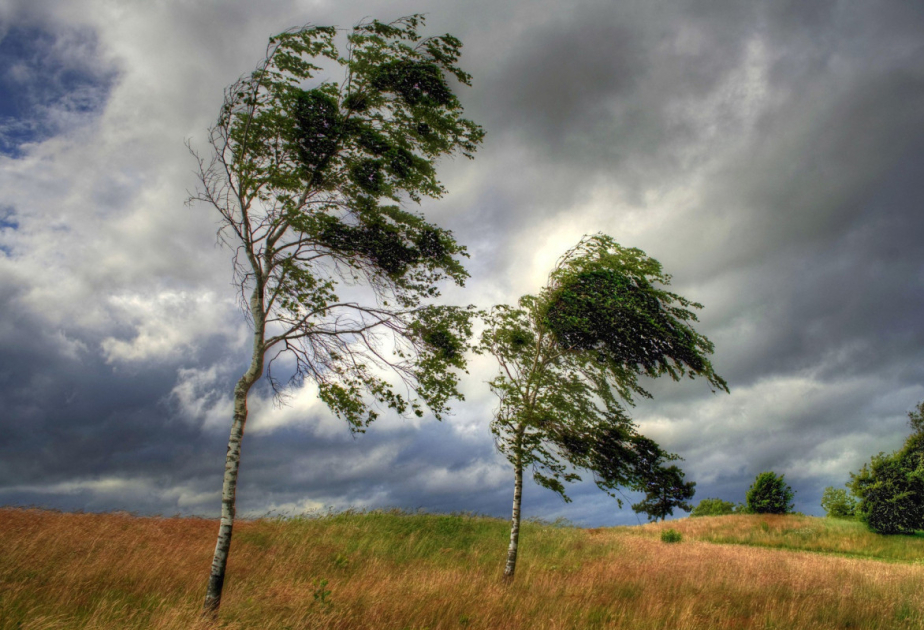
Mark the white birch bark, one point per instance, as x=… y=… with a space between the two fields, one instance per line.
x=233 y=458
x=515 y=522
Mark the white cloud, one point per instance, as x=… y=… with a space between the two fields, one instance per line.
x=167 y=325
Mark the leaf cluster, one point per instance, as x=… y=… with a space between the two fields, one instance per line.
x=603 y=302
x=713 y=507
x=890 y=488
x=769 y=494
x=309 y=177
x=837 y=503
x=664 y=486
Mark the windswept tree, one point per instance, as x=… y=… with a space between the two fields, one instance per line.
x=663 y=485
x=570 y=358
x=334 y=275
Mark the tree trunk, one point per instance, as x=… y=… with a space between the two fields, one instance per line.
x=514 y=523
x=233 y=460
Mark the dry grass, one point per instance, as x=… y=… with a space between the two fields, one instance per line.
x=388 y=570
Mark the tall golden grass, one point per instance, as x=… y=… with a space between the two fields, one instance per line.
x=393 y=570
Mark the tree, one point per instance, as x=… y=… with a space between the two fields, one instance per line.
x=916 y=419
x=837 y=503
x=769 y=494
x=890 y=502
x=330 y=276
x=713 y=507
x=665 y=490
x=890 y=488
x=570 y=356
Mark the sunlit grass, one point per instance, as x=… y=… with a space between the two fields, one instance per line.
x=415 y=571
x=809 y=533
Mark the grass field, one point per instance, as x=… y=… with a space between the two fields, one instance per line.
x=417 y=571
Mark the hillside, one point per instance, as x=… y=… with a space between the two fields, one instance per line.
x=416 y=571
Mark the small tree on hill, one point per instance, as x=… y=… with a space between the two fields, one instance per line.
x=664 y=486
x=713 y=507
x=570 y=355
x=837 y=503
x=769 y=494
x=329 y=275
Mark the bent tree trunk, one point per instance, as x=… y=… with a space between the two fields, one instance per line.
x=514 y=522
x=233 y=461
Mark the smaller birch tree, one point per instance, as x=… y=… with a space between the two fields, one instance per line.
x=572 y=356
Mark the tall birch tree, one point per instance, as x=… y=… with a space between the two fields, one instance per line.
x=571 y=358
x=334 y=274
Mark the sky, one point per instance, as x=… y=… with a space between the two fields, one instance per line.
x=768 y=154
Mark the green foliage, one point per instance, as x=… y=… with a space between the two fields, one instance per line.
x=837 y=503
x=603 y=303
x=713 y=507
x=890 y=488
x=890 y=494
x=664 y=486
x=560 y=397
x=321 y=593
x=769 y=494
x=916 y=418
x=671 y=536
x=309 y=177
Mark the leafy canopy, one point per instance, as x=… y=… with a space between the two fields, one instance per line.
x=310 y=176
x=890 y=488
x=837 y=503
x=571 y=356
x=665 y=490
x=713 y=507
x=769 y=494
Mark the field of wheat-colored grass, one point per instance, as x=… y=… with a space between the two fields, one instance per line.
x=416 y=571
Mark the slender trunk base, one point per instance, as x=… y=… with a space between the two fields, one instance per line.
x=229 y=491
x=511 y=566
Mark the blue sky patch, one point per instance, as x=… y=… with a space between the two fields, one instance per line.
x=49 y=81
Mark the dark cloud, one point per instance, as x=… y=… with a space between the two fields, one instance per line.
x=768 y=154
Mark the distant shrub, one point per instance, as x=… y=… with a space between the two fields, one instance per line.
x=837 y=503
x=671 y=536
x=769 y=494
x=713 y=507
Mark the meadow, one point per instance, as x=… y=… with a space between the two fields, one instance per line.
x=422 y=571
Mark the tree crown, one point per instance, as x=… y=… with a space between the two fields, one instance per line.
x=769 y=494
x=561 y=391
x=309 y=181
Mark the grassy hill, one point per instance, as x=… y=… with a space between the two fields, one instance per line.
x=417 y=571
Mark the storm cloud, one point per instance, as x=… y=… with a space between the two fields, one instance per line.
x=767 y=153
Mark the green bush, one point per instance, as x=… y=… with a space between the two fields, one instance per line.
x=769 y=494
x=890 y=488
x=671 y=536
x=837 y=503
x=891 y=496
x=713 y=507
